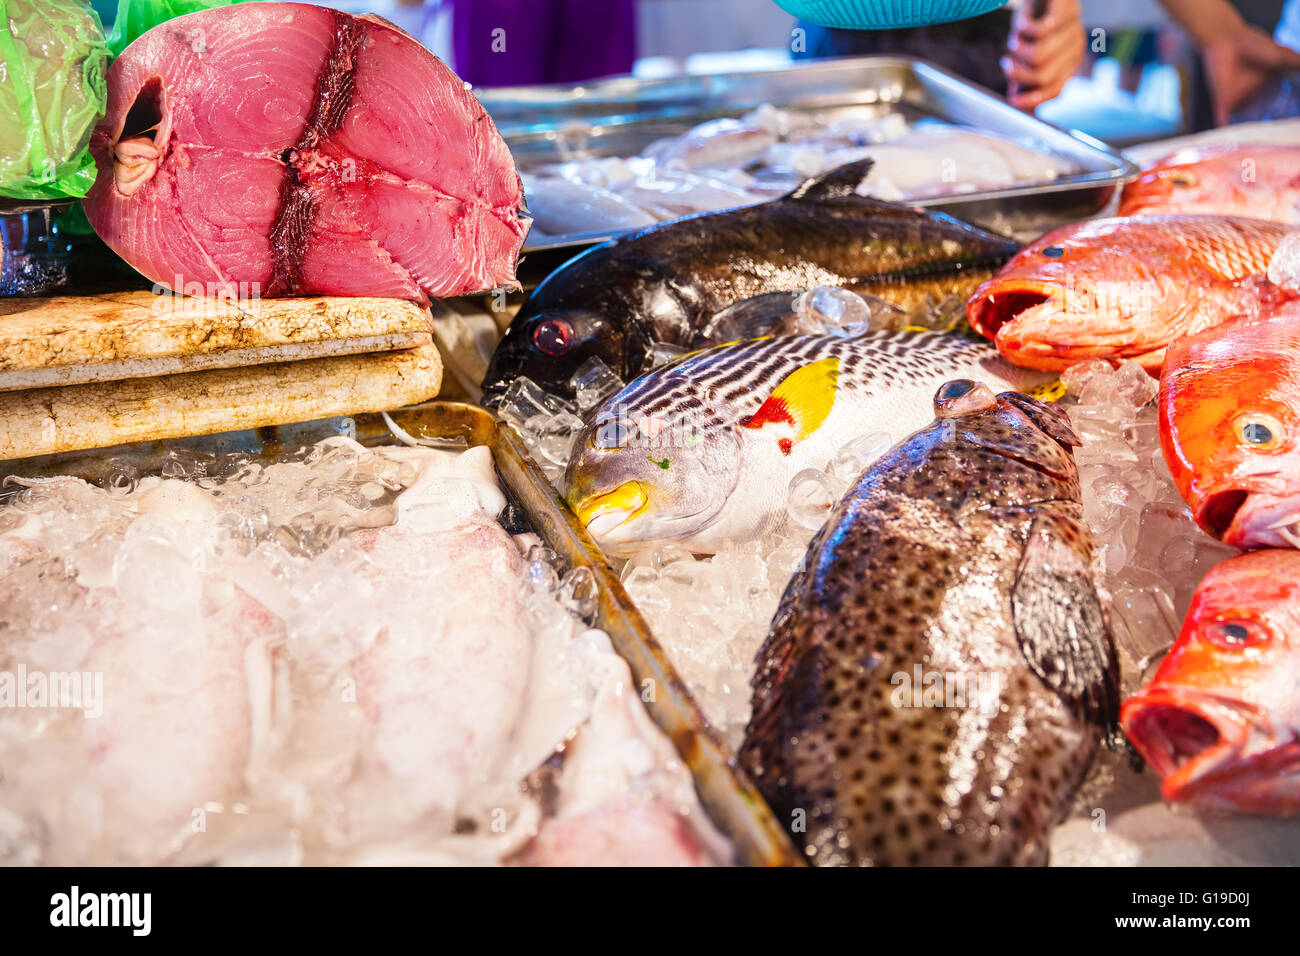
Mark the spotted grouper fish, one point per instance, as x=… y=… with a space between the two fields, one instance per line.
x=701 y=452
x=935 y=679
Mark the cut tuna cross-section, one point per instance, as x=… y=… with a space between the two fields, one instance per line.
x=289 y=149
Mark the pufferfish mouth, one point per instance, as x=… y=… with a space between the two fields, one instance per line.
x=602 y=513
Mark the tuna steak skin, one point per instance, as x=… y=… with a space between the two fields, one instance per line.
x=295 y=150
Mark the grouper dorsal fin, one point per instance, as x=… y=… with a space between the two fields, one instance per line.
x=839 y=183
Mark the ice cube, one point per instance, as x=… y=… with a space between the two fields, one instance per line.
x=1077 y=377
x=525 y=400
x=156 y=566
x=578 y=593
x=592 y=383
x=944 y=316
x=1134 y=386
x=857 y=456
x=1160 y=523
x=661 y=353
x=811 y=497
x=832 y=310
x=1144 y=602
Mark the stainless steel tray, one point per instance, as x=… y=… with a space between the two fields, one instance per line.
x=621 y=116
x=727 y=795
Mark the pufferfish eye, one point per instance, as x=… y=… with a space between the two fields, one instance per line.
x=1234 y=634
x=610 y=434
x=1258 y=431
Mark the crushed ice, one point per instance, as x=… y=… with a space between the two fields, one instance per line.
x=341 y=657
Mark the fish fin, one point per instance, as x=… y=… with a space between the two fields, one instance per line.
x=839 y=183
x=804 y=399
x=1046 y=415
x=1060 y=622
x=752 y=318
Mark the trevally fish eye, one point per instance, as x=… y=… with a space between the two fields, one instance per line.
x=619 y=429
x=556 y=335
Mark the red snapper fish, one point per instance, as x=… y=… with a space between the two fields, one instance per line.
x=1257 y=180
x=1220 y=721
x=1230 y=427
x=1121 y=288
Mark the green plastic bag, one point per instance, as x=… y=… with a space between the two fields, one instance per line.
x=136 y=17
x=53 y=89
x=52 y=92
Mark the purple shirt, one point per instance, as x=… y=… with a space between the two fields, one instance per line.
x=545 y=41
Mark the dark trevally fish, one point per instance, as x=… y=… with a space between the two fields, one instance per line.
x=665 y=283
x=934 y=681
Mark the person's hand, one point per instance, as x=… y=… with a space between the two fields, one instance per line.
x=1239 y=65
x=1043 y=53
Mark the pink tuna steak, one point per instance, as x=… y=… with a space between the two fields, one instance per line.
x=293 y=150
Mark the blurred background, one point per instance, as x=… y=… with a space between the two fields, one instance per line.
x=1142 y=77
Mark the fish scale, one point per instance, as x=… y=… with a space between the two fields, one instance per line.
x=1222 y=247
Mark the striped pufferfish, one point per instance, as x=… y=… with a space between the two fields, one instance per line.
x=701 y=452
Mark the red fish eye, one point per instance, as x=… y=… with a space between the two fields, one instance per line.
x=1182 y=181
x=554 y=336
x=1054 y=252
x=1235 y=634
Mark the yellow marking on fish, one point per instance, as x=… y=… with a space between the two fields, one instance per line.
x=709 y=348
x=1051 y=392
x=803 y=399
x=628 y=497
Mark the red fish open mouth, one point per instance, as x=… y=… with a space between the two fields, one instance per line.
x=1196 y=742
x=1220 y=511
x=1252 y=519
x=995 y=304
